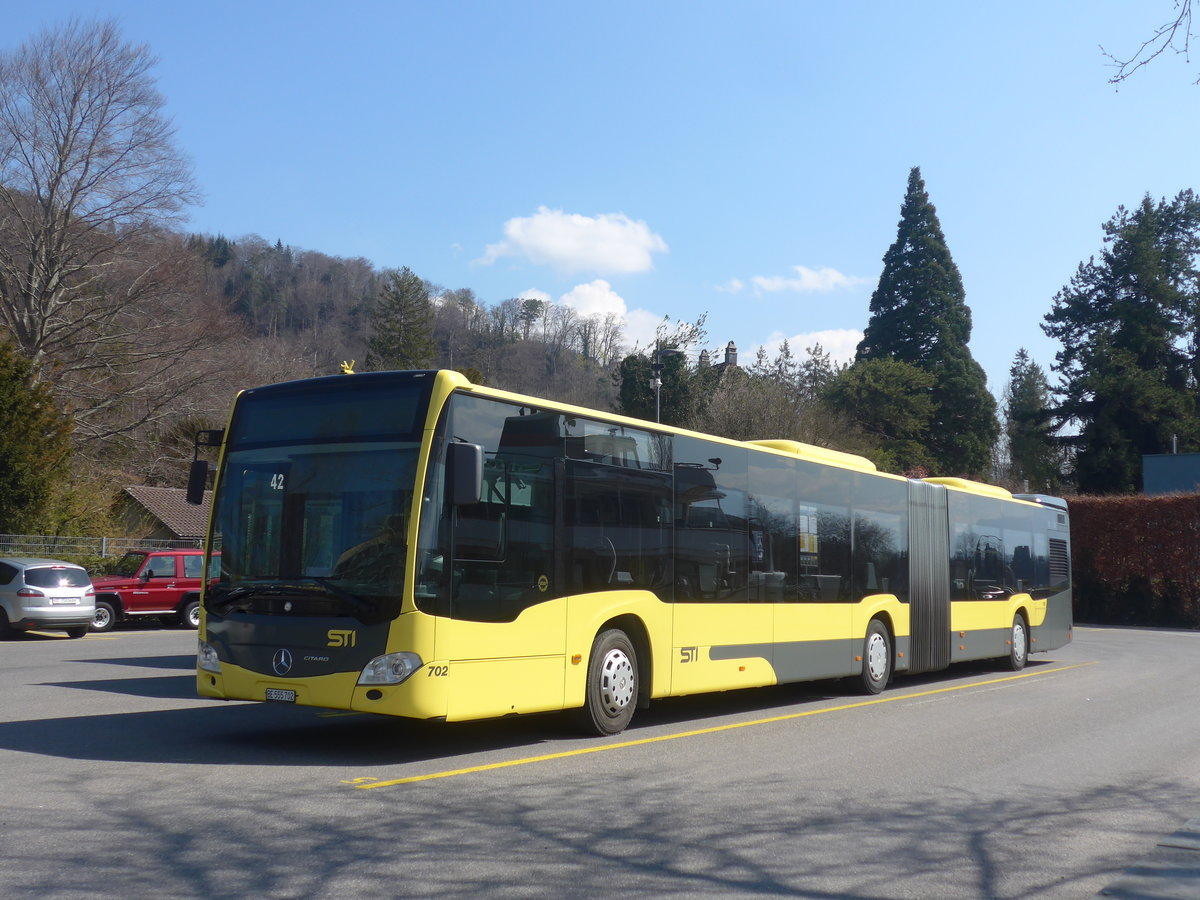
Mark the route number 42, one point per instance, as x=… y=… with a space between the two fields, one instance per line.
x=277 y=481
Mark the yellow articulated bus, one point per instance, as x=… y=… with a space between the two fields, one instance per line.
x=412 y=544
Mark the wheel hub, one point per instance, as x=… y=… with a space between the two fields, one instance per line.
x=1018 y=642
x=877 y=662
x=617 y=682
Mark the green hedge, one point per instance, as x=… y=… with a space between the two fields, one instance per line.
x=1136 y=560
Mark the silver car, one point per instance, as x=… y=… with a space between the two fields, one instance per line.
x=45 y=594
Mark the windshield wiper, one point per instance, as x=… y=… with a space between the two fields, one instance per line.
x=241 y=598
x=235 y=598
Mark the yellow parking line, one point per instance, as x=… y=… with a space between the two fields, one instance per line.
x=97 y=635
x=369 y=783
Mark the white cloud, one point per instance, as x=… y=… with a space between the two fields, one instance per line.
x=807 y=281
x=597 y=298
x=732 y=286
x=594 y=299
x=840 y=343
x=608 y=243
x=641 y=328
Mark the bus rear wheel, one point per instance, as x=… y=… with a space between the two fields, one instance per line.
x=612 y=684
x=877 y=658
x=1018 y=645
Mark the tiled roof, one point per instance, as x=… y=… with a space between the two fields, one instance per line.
x=170 y=506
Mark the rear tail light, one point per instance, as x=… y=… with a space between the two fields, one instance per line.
x=29 y=592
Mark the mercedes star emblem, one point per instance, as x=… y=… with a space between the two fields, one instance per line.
x=282 y=662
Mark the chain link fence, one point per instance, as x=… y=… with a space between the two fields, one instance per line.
x=52 y=546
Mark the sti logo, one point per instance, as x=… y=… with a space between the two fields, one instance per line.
x=339 y=638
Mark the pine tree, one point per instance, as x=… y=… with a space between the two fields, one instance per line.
x=403 y=324
x=35 y=445
x=1128 y=327
x=1034 y=457
x=919 y=316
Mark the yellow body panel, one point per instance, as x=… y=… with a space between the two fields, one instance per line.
x=811 y=621
x=980 y=615
x=498 y=668
x=333 y=691
x=480 y=688
x=743 y=630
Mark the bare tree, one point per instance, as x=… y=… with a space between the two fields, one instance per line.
x=95 y=289
x=1175 y=35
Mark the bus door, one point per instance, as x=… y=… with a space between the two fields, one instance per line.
x=503 y=640
x=804 y=511
x=722 y=633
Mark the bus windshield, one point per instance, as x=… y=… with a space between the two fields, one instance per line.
x=313 y=522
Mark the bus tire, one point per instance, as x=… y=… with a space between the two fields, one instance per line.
x=612 y=684
x=1018 y=645
x=877 y=658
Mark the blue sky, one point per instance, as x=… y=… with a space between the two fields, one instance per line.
x=745 y=160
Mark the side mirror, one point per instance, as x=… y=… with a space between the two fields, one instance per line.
x=464 y=473
x=197 y=479
x=198 y=475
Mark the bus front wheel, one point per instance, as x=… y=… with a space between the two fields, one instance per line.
x=877 y=658
x=612 y=684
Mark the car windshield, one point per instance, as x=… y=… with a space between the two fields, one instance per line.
x=129 y=564
x=56 y=576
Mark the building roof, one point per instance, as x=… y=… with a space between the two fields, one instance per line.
x=170 y=506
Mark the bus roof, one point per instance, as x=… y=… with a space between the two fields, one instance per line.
x=973 y=487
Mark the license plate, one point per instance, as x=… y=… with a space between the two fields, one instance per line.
x=280 y=696
x=64 y=601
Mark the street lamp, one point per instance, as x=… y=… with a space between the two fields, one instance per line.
x=656 y=366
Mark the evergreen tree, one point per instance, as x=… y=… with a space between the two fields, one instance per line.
x=35 y=446
x=403 y=324
x=891 y=402
x=1034 y=458
x=676 y=398
x=685 y=389
x=919 y=316
x=1127 y=323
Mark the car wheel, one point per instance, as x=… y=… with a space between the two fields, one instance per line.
x=190 y=617
x=5 y=629
x=105 y=617
x=76 y=631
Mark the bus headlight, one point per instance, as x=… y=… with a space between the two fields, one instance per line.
x=390 y=669
x=206 y=658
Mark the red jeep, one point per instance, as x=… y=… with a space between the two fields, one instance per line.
x=161 y=583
